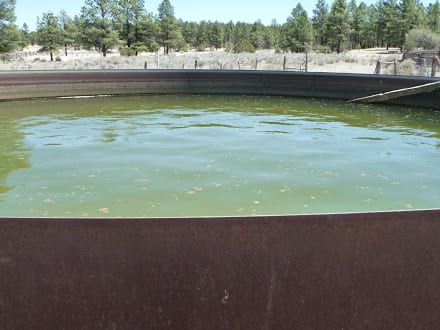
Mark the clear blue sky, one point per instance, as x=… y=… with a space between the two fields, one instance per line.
x=188 y=10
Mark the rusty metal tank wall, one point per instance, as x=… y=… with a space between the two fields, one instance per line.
x=33 y=84
x=350 y=271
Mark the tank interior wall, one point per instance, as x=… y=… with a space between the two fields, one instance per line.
x=18 y=85
x=353 y=271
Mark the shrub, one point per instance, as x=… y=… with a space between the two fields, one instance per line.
x=5 y=58
x=422 y=38
x=127 y=51
x=244 y=46
x=229 y=47
x=407 y=68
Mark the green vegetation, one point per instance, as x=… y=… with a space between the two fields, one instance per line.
x=11 y=37
x=244 y=46
x=126 y=25
x=50 y=33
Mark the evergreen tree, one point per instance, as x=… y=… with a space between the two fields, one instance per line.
x=410 y=17
x=393 y=34
x=433 y=17
x=146 y=30
x=50 y=34
x=190 y=31
x=319 y=22
x=203 y=35
x=297 y=32
x=272 y=36
x=128 y=14
x=229 y=35
x=170 y=35
x=7 y=12
x=360 y=31
x=242 y=31
x=216 y=35
x=338 y=25
x=257 y=35
x=369 y=27
x=97 y=25
x=379 y=21
x=26 y=32
x=11 y=37
x=70 y=30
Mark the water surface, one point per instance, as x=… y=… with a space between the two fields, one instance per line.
x=214 y=155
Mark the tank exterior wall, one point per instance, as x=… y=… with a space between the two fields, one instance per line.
x=349 y=271
x=34 y=84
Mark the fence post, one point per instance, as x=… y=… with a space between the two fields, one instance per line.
x=395 y=67
x=158 y=60
x=284 y=63
x=145 y=65
x=378 y=67
x=307 y=57
x=195 y=64
x=435 y=64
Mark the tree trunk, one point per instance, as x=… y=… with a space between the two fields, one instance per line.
x=127 y=26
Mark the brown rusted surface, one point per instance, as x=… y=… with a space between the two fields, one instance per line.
x=353 y=271
x=34 y=84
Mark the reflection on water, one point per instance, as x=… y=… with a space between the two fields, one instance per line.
x=214 y=155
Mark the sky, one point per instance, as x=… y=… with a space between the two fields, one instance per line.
x=248 y=11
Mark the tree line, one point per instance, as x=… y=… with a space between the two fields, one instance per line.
x=129 y=27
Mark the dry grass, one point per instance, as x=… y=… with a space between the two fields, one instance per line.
x=351 y=62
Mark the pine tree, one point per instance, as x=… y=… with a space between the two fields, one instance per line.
x=298 y=31
x=319 y=22
x=170 y=35
x=369 y=28
x=272 y=36
x=393 y=34
x=361 y=35
x=410 y=17
x=216 y=35
x=128 y=14
x=433 y=17
x=229 y=34
x=338 y=25
x=257 y=35
x=97 y=25
x=50 y=34
x=11 y=37
x=145 y=31
x=189 y=32
x=7 y=12
x=380 y=23
x=203 y=35
x=70 y=30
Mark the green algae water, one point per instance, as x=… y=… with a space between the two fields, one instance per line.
x=167 y=156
